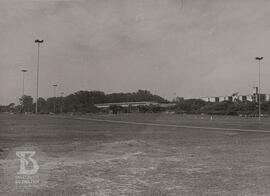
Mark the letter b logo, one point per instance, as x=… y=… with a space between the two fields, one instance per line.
x=25 y=157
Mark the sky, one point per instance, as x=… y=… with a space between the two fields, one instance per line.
x=186 y=48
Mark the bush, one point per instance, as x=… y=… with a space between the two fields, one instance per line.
x=190 y=106
x=197 y=106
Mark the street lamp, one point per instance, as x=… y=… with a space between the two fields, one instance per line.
x=38 y=44
x=259 y=90
x=62 y=94
x=23 y=72
x=54 y=94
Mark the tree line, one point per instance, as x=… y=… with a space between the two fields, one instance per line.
x=84 y=102
x=198 y=106
x=80 y=101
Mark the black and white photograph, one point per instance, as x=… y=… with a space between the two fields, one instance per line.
x=134 y=98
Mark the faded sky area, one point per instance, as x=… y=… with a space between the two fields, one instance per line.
x=189 y=48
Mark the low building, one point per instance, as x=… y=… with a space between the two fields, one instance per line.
x=126 y=104
x=250 y=97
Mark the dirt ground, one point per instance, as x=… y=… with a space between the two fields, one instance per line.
x=81 y=156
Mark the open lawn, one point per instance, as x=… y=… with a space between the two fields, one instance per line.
x=138 y=154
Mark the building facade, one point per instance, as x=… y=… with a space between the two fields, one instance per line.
x=251 y=97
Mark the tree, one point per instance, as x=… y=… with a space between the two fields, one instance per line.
x=43 y=106
x=143 y=108
x=190 y=105
x=115 y=109
x=26 y=103
x=8 y=108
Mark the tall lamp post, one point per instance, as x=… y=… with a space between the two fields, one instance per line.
x=259 y=90
x=23 y=72
x=38 y=44
x=62 y=97
x=54 y=94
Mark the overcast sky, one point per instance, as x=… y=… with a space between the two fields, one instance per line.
x=189 y=48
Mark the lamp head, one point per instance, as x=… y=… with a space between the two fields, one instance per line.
x=39 y=41
x=259 y=58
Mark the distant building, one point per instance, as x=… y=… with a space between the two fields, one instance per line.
x=126 y=104
x=133 y=106
x=251 y=97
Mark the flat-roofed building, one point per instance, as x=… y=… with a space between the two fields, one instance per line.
x=250 y=97
x=126 y=104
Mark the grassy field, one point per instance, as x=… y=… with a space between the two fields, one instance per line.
x=139 y=154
